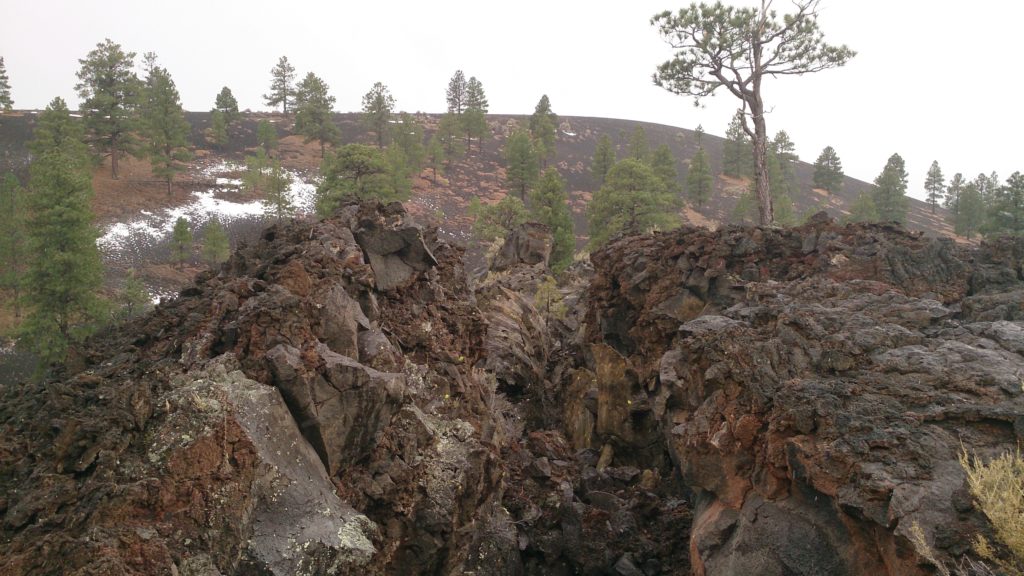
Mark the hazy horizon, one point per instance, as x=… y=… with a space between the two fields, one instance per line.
x=900 y=94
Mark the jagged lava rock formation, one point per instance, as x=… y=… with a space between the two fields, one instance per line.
x=340 y=398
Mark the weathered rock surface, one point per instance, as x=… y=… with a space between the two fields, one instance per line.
x=813 y=386
x=338 y=399
x=528 y=244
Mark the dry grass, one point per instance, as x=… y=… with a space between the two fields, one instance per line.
x=998 y=487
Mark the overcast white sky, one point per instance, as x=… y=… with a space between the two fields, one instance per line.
x=933 y=80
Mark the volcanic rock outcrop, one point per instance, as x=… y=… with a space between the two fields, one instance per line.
x=814 y=386
x=339 y=398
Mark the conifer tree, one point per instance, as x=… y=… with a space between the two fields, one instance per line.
x=448 y=134
x=6 y=102
x=226 y=104
x=632 y=200
x=358 y=171
x=407 y=136
x=970 y=213
x=266 y=137
x=638 y=148
x=109 y=91
x=520 y=164
x=890 y=191
x=436 y=157
x=549 y=205
x=543 y=126
x=474 y=119
x=934 y=185
x=828 y=171
x=217 y=133
x=784 y=148
x=1006 y=212
x=494 y=221
x=278 y=200
x=64 y=272
x=863 y=209
x=699 y=182
x=162 y=124
x=132 y=297
x=663 y=163
x=282 y=85
x=13 y=257
x=604 y=159
x=718 y=46
x=181 y=240
x=255 y=175
x=456 y=94
x=956 y=185
x=216 y=246
x=313 y=107
x=736 y=154
x=378 y=104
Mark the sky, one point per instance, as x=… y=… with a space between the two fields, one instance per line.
x=937 y=80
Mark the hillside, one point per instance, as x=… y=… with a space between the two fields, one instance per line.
x=477 y=174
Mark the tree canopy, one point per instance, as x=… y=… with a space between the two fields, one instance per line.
x=162 y=124
x=6 y=102
x=890 y=191
x=632 y=200
x=356 y=170
x=313 y=107
x=521 y=164
x=282 y=85
x=378 y=104
x=226 y=104
x=828 y=171
x=549 y=205
x=109 y=91
x=717 y=46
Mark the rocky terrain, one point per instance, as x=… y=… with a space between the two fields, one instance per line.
x=341 y=398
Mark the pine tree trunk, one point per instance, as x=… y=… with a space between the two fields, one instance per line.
x=764 y=198
x=113 y=157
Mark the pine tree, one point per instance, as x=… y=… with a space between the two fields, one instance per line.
x=400 y=171
x=863 y=209
x=13 y=257
x=448 y=134
x=699 y=182
x=226 y=104
x=543 y=126
x=163 y=125
x=784 y=148
x=456 y=94
x=132 y=297
x=632 y=200
x=828 y=171
x=313 y=106
x=494 y=221
x=638 y=148
x=64 y=272
x=358 y=171
x=407 y=136
x=474 y=119
x=520 y=164
x=604 y=159
x=282 y=85
x=217 y=133
x=956 y=185
x=216 y=247
x=1006 y=212
x=266 y=137
x=6 y=102
x=436 y=157
x=781 y=189
x=378 y=104
x=663 y=163
x=255 y=175
x=736 y=154
x=278 y=199
x=181 y=240
x=934 y=185
x=549 y=205
x=890 y=191
x=109 y=91
x=970 y=213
